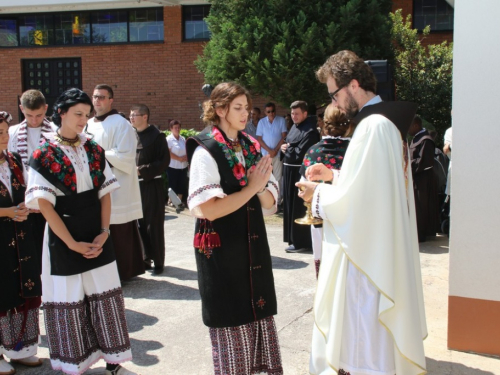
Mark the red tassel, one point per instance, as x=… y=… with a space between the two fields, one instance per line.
x=197 y=240
x=215 y=239
x=203 y=241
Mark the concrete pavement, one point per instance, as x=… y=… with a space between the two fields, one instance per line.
x=168 y=336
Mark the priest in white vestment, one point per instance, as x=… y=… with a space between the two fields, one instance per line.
x=119 y=139
x=369 y=314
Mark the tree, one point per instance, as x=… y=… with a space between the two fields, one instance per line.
x=422 y=74
x=274 y=47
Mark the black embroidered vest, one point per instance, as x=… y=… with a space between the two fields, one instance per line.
x=236 y=282
x=80 y=212
x=20 y=267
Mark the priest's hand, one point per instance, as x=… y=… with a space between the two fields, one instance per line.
x=306 y=190
x=319 y=172
x=258 y=176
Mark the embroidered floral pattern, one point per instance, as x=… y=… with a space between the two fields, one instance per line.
x=11 y=327
x=43 y=188
x=53 y=159
x=202 y=189
x=109 y=182
x=329 y=151
x=251 y=152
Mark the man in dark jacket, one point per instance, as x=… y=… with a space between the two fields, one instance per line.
x=302 y=135
x=422 y=162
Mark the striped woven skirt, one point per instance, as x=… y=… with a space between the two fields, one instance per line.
x=252 y=348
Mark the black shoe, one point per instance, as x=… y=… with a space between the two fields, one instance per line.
x=148 y=265
x=301 y=250
x=158 y=270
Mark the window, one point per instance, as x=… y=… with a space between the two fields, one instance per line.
x=109 y=27
x=146 y=25
x=89 y=27
x=195 y=27
x=438 y=14
x=52 y=76
x=72 y=28
x=8 y=33
x=36 y=30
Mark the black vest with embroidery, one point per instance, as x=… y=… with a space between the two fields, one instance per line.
x=80 y=212
x=20 y=267
x=236 y=279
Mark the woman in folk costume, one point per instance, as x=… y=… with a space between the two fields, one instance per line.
x=231 y=187
x=70 y=182
x=20 y=285
x=336 y=135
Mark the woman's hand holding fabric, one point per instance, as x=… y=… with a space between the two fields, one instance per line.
x=319 y=172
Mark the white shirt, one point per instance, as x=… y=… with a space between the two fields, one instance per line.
x=271 y=133
x=204 y=182
x=178 y=148
x=119 y=140
x=38 y=187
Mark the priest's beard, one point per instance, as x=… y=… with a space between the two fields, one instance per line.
x=351 y=107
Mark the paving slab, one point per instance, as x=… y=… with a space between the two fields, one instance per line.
x=168 y=336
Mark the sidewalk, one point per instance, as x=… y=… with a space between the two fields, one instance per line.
x=168 y=336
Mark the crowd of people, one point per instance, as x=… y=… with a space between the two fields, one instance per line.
x=83 y=203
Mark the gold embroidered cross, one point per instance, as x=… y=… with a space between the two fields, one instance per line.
x=3 y=191
x=15 y=184
x=254 y=237
x=25 y=259
x=13 y=243
x=29 y=284
x=21 y=234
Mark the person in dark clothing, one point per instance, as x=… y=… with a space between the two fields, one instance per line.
x=152 y=159
x=231 y=187
x=301 y=137
x=422 y=163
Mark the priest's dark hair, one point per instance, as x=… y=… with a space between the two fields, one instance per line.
x=345 y=66
x=222 y=95
x=68 y=99
x=108 y=88
x=141 y=108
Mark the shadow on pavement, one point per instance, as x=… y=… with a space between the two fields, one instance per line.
x=170 y=217
x=287 y=264
x=154 y=289
x=136 y=321
x=445 y=367
x=181 y=273
x=140 y=350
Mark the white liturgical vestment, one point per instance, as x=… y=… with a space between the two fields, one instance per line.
x=368 y=309
x=119 y=139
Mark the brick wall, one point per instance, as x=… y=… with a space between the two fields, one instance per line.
x=435 y=37
x=162 y=75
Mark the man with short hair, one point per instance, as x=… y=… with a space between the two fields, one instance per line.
x=152 y=160
x=302 y=135
x=24 y=138
x=119 y=139
x=368 y=310
x=271 y=131
x=254 y=118
x=422 y=164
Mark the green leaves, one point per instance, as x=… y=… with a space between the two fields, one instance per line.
x=423 y=74
x=274 y=47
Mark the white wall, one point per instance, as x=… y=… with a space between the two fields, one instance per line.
x=475 y=208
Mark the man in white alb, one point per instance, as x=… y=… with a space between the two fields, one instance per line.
x=119 y=139
x=368 y=310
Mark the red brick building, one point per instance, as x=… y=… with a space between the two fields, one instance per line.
x=144 y=49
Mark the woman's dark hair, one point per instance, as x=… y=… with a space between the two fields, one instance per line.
x=68 y=99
